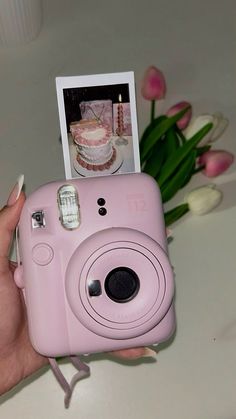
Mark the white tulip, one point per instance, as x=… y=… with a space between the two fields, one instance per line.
x=220 y=125
x=219 y=122
x=204 y=199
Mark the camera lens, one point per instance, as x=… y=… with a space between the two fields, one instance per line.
x=122 y=284
x=102 y=211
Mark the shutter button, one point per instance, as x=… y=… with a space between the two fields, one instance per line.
x=42 y=254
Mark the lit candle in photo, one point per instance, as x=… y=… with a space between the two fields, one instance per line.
x=120 y=117
x=120 y=123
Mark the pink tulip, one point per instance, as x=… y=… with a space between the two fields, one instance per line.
x=153 y=84
x=184 y=121
x=215 y=162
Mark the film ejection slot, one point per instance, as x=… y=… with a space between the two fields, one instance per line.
x=68 y=204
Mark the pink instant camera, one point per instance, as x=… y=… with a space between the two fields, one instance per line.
x=95 y=269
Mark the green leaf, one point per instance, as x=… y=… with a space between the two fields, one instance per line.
x=199 y=151
x=173 y=184
x=204 y=149
x=151 y=126
x=172 y=141
x=188 y=176
x=198 y=169
x=180 y=135
x=173 y=215
x=157 y=132
x=154 y=162
x=176 y=158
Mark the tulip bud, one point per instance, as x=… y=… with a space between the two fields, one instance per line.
x=215 y=162
x=204 y=199
x=184 y=121
x=220 y=125
x=196 y=124
x=219 y=122
x=153 y=84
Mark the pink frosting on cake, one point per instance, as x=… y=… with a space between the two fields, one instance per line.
x=90 y=133
x=97 y=167
x=93 y=144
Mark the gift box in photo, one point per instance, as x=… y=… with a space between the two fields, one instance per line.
x=101 y=110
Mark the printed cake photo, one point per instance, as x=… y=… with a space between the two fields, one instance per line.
x=98 y=122
x=93 y=144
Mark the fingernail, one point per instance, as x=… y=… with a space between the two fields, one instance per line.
x=149 y=353
x=169 y=233
x=15 y=193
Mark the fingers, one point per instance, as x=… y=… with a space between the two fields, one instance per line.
x=9 y=217
x=134 y=353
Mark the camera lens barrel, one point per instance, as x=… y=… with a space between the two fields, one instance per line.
x=122 y=284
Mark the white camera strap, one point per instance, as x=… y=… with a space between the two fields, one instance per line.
x=83 y=371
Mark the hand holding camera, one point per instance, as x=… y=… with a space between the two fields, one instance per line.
x=18 y=359
x=15 y=346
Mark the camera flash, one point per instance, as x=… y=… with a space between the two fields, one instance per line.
x=68 y=204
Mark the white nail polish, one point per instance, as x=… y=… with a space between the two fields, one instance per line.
x=149 y=353
x=15 y=193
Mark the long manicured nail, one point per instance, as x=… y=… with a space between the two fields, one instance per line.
x=168 y=233
x=149 y=353
x=15 y=193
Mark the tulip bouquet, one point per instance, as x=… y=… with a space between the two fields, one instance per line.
x=174 y=147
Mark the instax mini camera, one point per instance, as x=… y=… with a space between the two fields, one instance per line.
x=95 y=269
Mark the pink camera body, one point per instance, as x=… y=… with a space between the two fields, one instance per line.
x=95 y=268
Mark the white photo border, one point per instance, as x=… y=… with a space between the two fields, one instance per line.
x=94 y=80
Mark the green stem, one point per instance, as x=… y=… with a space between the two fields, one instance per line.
x=198 y=169
x=153 y=104
x=173 y=215
x=180 y=134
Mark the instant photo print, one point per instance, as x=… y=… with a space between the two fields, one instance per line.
x=98 y=121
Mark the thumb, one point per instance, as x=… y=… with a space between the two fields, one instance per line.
x=9 y=217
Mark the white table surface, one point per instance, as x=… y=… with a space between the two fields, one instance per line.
x=194 y=44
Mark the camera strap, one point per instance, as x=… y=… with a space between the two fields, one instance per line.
x=83 y=371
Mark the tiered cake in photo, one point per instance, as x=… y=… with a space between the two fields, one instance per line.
x=92 y=139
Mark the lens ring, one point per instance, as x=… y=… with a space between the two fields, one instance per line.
x=101 y=315
x=122 y=284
